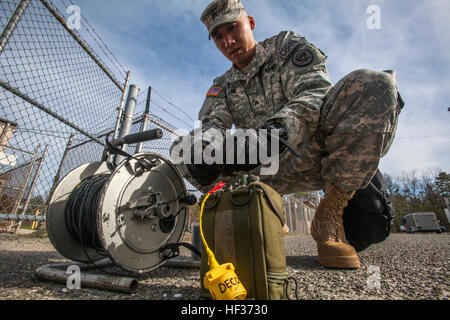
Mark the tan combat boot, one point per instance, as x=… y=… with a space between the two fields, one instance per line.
x=327 y=229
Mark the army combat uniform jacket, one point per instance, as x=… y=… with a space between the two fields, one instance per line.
x=287 y=81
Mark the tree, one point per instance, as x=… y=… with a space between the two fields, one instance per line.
x=413 y=193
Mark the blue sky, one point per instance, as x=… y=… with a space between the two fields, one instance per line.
x=165 y=45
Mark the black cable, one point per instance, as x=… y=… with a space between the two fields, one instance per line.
x=81 y=213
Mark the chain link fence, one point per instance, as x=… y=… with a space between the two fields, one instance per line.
x=18 y=182
x=300 y=211
x=53 y=86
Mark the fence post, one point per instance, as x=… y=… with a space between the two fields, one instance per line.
x=146 y=118
x=33 y=184
x=289 y=214
x=304 y=219
x=22 y=191
x=127 y=122
x=120 y=108
x=58 y=173
x=12 y=23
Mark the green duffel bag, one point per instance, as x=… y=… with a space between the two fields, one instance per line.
x=245 y=227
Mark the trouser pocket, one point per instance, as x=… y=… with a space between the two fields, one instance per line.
x=278 y=285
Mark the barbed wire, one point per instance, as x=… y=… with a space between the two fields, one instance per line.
x=173 y=105
x=162 y=108
x=46 y=133
x=172 y=115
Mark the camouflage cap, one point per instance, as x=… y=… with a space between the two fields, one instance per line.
x=221 y=12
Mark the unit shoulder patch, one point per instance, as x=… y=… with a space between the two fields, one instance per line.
x=214 y=91
x=303 y=58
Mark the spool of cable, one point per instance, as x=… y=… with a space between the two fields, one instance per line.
x=129 y=213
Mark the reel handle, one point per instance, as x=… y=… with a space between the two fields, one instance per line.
x=149 y=135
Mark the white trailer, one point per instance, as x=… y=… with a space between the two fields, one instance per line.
x=421 y=222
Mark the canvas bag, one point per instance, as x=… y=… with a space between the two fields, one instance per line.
x=244 y=227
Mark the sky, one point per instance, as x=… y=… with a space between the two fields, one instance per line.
x=165 y=45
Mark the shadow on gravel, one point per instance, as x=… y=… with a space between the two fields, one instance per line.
x=17 y=272
x=303 y=262
x=16 y=259
x=20 y=265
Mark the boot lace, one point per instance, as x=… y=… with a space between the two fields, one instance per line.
x=334 y=219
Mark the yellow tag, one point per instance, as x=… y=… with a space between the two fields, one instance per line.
x=223 y=283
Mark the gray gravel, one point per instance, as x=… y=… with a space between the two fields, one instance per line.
x=410 y=267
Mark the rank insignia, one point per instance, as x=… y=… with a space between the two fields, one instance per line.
x=303 y=58
x=214 y=91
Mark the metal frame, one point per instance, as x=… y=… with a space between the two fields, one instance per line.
x=43 y=108
x=146 y=119
x=120 y=108
x=22 y=191
x=33 y=185
x=127 y=122
x=12 y=23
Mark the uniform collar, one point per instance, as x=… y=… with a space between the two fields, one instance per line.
x=261 y=56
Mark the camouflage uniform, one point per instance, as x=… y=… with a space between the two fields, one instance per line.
x=341 y=132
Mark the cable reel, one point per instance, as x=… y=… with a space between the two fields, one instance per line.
x=130 y=213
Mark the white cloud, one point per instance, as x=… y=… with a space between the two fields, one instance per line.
x=402 y=44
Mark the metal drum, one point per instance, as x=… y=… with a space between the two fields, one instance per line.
x=142 y=207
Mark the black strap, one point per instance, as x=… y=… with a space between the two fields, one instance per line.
x=175 y=250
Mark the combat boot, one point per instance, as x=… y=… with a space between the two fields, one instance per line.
x=327 y=229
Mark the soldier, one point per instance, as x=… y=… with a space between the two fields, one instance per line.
x=282 y=85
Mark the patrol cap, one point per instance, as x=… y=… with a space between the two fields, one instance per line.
x=221 y=12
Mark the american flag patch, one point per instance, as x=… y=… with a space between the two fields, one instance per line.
x=214 y=91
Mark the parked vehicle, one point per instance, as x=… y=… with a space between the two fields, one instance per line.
x=422 y=222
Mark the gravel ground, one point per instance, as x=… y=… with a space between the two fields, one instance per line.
x=410 y=267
